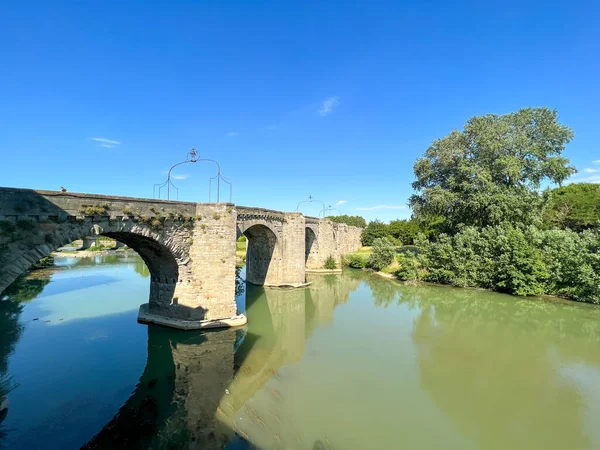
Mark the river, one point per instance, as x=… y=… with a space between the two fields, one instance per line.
x=354 y=361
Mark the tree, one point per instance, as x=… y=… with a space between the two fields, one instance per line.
x=575 y=206
x=382 y=254
x=355 y=221
x=404 y=230
x=375 y=229
x=490 y=172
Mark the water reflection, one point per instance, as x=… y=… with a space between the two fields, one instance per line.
x=196 y=389
x=498 y=367
x=357 y=361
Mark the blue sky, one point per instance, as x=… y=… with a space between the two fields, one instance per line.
x=335 y=100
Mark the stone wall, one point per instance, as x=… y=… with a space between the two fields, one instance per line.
x=210 y=291
x=335 y=239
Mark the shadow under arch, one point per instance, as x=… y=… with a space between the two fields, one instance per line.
x=260 y=263
x=160 y=261
x=157 y=256
x=310 y=241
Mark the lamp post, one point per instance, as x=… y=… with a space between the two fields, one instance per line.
x=193 y=157
x=310 y=200
x=218 y=177
x=190 y=158
x=329 y=208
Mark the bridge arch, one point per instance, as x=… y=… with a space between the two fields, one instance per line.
x=311 y=243
x=262 y=254
x=162 y=257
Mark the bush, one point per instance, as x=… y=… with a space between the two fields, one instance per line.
x=409 y=267
x=518 y=261
x=96 y=210
x=382 y=254
x=355 y=221
x=355 y=260
x=330 y=263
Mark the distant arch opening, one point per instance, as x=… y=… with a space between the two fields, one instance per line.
x=262 y=242
x=309 y=242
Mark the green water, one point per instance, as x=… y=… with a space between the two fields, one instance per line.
x=353 y=362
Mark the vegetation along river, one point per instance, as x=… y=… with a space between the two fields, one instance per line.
x=354 y=361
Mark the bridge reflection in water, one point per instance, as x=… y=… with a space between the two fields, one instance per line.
x=196 y=388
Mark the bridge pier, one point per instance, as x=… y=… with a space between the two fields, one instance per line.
x=203 y=294
x=89 y=241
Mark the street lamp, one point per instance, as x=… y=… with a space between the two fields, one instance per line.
x=193 y=157
x=190 y=158
x=329 y=208
x=310 y=200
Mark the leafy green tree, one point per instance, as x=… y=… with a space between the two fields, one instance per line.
x=490 y=171
x=575 y=206
x=404 y=230
x=409 y=267
x=376 y=229
x=355 y=221
x=382 y=254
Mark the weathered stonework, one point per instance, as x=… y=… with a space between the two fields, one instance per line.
x=189 y=248
x=331 y=238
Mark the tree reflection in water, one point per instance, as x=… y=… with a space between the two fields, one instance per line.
x=496 y=365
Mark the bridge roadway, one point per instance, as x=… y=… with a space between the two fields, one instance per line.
x=189 y=248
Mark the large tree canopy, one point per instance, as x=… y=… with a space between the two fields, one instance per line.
x=490 y=172
x=575 y=206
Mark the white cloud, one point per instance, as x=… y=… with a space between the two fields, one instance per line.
x=589 y=170
x=341 y=202
x=597 y=161
x=106 y=141
x=328 y=105
x=233 y=133
x=591 y=179
x=378 y=207
x=180 y=177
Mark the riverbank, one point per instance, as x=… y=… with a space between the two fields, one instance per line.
x=90 y=253
x=408 y=268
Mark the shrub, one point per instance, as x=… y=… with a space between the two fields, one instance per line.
x=409 y=267
x=96 y=210
x=330 y=263
x=355 y=221
x=45 y=262
x=518 y=261
x=355 y=261
x=382 y=254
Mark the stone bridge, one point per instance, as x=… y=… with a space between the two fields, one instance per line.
x=189 y=248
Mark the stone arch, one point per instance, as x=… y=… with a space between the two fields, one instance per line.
x=310 y=243
x=161 y=256
x=262 y=254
